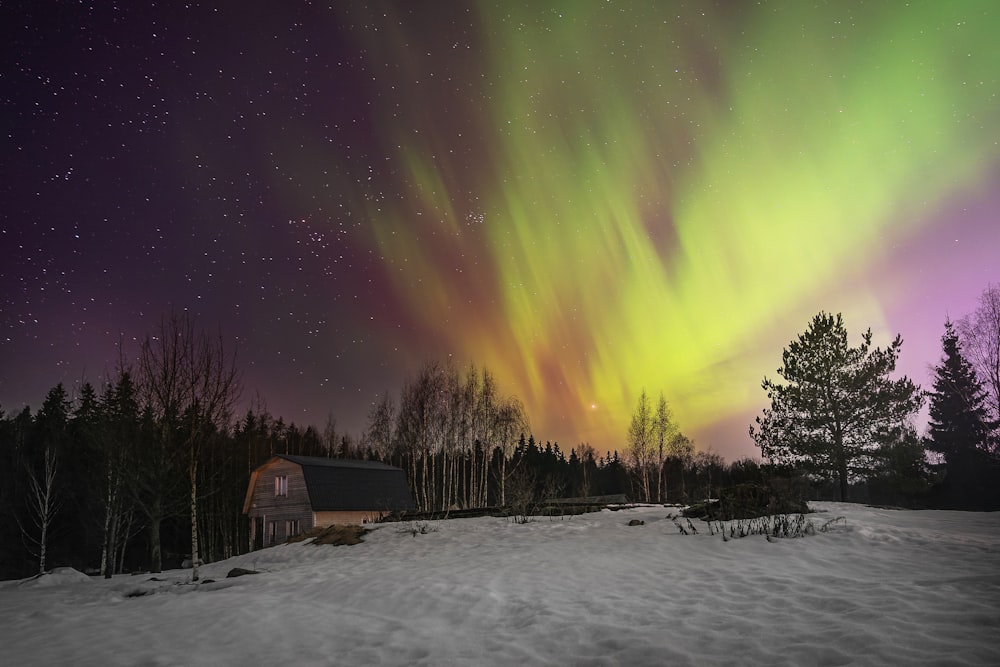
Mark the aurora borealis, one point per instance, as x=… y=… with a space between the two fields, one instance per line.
x=588 y=198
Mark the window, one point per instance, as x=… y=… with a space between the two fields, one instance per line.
x=292 y=527
x=272 y=532
x=281 y=486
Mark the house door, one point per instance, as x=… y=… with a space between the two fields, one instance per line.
x=258 y=533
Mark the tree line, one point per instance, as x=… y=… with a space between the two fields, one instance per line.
x=143 y=472
x=838 y=416
x=131 y=457
x=152 y=466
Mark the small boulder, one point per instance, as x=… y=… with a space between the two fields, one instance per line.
x=637 y=522
x=239 y=572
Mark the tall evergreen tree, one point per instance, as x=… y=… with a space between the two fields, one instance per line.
x=78 y=470
x=837 y=403
x=121 y=428
x=959 y=421
x=15 y=433
x=53 y=419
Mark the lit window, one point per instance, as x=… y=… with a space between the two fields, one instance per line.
x=281 y=486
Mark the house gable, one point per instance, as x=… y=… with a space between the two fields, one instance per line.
x=262 y=496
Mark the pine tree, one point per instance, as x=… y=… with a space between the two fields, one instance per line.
x=959 y=422
x=836 y=404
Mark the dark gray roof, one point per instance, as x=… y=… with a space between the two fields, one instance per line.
x=345 y=484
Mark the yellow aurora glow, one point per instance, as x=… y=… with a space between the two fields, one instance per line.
x=662 y=201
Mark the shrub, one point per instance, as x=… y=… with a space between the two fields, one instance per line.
x=749 y=501
x=336 y=535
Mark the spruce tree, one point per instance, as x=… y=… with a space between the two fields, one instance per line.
x=959 y=423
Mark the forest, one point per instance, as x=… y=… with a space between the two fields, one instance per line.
x=151 y=468
x=97 y=483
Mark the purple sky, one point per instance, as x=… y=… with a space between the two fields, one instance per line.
x=588 y=199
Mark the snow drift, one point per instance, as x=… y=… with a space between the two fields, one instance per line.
x=882 y=587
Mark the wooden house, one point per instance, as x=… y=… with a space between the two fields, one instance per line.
x=289 y=495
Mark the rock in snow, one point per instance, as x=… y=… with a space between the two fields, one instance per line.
x=239 y=572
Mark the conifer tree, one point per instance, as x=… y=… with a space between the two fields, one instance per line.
x=121 y=428
x=836 y=404
x=959 y=422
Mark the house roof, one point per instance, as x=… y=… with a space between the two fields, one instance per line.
x=323 y=462
x=345 y=484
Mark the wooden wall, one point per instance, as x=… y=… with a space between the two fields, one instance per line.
x=264 y=504
x=324 y=519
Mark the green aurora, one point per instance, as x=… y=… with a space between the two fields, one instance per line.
x=615 y=196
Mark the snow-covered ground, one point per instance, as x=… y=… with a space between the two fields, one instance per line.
x=883 y=588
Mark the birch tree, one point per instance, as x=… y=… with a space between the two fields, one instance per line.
x=43 y=504
x=641 y=436
x=980 y=338
x=511 y=423
x=666 y=438
x=42 y=496
x=189 y=384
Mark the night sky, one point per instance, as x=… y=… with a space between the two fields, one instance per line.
x=588 y=198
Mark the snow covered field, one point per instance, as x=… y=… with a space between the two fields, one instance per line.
x=885 y=588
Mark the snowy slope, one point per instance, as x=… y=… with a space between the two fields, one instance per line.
x=887 y=587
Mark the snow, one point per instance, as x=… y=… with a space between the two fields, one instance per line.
x=881 y=587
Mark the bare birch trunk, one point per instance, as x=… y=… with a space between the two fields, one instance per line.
x=194 y=517
x=108 y=556
x=155 y=555
x=470 y=479
x=423 y=481
x=503 y=481
x=433 y=481
x=464 y=482
x=122 y=532
x=43 y=504
x=484 y=481
x=106 y=543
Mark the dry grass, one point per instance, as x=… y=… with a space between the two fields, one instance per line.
x=336 y=535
